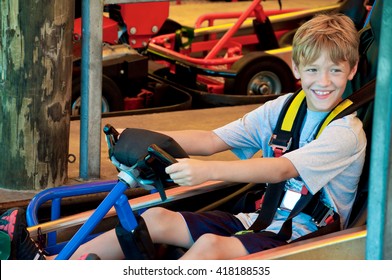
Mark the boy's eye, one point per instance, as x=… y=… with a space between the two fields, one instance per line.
x=336 y=70
x=311 y=70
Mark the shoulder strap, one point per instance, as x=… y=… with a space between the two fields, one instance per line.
x=289 y=124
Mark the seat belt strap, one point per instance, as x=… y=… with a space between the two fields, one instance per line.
x=272 y=197
x=331 y=116
x=286 y=230
x=350 y=104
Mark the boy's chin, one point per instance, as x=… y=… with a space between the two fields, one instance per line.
x=322 y=107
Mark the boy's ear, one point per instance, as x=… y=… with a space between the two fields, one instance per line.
x=295 y=70
x=353 y=72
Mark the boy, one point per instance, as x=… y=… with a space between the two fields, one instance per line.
x=325 y=57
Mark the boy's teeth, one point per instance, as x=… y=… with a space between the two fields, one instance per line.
x=321 y=92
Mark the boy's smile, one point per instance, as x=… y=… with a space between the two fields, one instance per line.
x=324 y=81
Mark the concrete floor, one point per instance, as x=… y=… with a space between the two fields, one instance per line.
x=186 y=13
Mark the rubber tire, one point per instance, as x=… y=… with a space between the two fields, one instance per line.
x=111 y=95
x=247 y=67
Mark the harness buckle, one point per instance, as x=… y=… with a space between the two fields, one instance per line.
x=289 y=200
x=279 y=145
x=326 y=219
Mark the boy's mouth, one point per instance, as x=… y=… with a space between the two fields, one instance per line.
x=322 y=92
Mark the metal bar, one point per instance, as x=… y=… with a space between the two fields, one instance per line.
x=138 y=203
x=57 y=194
x=221 y=43
x=91 y=90
x=378 y=242
x=124 y=212
x=93 y=221
x=91 y=86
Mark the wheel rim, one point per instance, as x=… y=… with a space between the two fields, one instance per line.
x=75 y=109
x=264 y=83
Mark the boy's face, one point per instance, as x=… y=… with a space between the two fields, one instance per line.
x=324 y=81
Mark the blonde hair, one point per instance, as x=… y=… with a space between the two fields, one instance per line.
x=334 y=33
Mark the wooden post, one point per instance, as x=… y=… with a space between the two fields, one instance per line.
x=35 y=92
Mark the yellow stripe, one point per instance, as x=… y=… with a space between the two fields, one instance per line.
x=292 y=111
x=338 y=109
x=280 y=50
x=220 y=27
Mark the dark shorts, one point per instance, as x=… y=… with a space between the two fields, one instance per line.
x=226 y=224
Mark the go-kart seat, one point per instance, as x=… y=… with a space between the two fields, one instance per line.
x=367 y=70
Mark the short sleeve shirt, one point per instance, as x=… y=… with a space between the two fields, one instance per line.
x=333 y=162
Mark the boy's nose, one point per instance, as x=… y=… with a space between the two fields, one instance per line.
x=324 y=79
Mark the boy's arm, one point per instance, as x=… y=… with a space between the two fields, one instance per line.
x=198 y=142
x=188 y=172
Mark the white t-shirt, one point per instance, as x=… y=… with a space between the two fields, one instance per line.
x=332 y=162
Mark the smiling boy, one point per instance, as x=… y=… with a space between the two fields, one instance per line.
x=325 y=57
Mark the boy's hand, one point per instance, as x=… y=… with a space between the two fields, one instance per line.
x=189 y=172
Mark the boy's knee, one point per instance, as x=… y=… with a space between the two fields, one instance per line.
x=206 y=247
x=153 y=213
x=208 y=241
x=154 y=216
x=157 y=220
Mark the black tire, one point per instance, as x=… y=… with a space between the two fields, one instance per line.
x=260 y=74
x=112 y=99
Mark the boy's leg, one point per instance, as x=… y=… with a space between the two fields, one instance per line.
x=213 y=234
x=164 y=226
x=167 y=227
x=211 y=246
x=105 y=246
x=215 y=247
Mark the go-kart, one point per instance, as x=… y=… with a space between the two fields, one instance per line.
x=126 y=29
x=154 y=64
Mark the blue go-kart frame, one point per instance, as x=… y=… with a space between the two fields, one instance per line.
x=128 y=177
